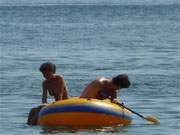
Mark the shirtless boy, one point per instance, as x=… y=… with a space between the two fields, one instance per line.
x=55 y=85
x=103 y=88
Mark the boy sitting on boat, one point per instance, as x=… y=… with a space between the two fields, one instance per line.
x=55 y=85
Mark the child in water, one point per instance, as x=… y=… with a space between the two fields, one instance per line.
x=54 y=84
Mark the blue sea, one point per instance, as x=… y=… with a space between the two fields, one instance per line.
x=87 y=40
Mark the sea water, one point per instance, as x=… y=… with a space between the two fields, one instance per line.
x=86 y=41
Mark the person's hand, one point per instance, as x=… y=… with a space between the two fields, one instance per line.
x=115 y=101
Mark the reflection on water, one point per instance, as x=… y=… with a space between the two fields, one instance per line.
x=87 y=129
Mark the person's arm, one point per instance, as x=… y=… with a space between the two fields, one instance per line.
x=62 y=86
x=113 y=96
x=44 y=95
x=65 y=91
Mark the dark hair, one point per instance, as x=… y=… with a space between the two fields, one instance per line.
x=48 y=66
x=122 y=81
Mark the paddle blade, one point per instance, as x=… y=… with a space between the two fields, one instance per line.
x=152 y=120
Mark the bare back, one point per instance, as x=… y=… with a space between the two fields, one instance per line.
x=93 y=88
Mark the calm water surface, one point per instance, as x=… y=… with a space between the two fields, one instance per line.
x=87 y=41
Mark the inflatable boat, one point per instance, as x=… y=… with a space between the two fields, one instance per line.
x=84 y=112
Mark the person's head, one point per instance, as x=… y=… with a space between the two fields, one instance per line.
x=121 y=81
x=47 y=69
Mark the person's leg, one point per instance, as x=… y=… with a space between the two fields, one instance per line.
x=33 y=115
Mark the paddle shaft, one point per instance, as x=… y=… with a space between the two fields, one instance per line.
x=132 y=111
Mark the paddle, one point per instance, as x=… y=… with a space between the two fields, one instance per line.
x=148 y=118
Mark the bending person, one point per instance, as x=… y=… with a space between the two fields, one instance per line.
x=103 y=88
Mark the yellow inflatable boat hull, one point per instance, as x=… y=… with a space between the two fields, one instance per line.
x=84 y=112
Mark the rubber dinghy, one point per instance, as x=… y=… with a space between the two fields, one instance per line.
x=84 y=112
